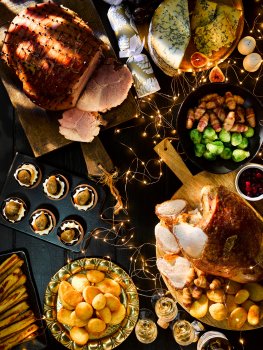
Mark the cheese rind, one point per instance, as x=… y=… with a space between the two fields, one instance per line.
x=169 y=33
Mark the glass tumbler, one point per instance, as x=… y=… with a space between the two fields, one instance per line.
x=146 y=329
x=183 y=332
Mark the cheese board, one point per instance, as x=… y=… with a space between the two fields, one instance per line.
x=188 y=43
x=190 y=191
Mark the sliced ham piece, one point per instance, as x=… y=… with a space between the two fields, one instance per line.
x=176 y=271
x=107 y=88
x=77 y=125
x=165 y=240
x=168 y=211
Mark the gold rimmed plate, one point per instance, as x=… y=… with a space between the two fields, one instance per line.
x=113 y=335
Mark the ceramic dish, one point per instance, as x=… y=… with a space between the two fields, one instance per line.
x=113 y=335
x=241 y=171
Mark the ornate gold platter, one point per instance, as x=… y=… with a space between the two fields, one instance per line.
x=113 y=335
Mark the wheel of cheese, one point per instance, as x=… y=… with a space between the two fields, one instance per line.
x=169 y=34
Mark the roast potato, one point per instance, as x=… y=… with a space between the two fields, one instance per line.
x=109 y=286
x=95 y=276
x=79 y=335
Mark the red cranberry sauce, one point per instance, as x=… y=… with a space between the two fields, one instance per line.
x=251 y=182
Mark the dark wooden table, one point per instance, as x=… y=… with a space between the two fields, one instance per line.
x=46 y=259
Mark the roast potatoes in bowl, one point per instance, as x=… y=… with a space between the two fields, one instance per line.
x=91 y=301
x=221 y=155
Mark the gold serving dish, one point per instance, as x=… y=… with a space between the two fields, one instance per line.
x=114 y=334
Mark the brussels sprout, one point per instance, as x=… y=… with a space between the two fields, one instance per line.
x=209 y=156
x=226 y=154
x=224 y=136
x=249 y=133
x=195 y=136
x=215 y=147
x=239 y=154
x=244 y=143
x=205 y=140
x=236 y=138
x=209 y=133
x=199 y=149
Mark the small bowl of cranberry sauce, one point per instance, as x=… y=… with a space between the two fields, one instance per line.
x=249 y=182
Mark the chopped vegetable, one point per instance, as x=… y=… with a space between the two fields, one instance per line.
x=244 y=143
x=236 y=139
x=249 y=132
x=209 y=133
x=199 y=149
x=224 y=136
x=215 y=147
x=195 y=136
x=226 y=154
x=239 y=154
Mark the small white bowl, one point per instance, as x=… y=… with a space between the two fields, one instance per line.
x=250 y=165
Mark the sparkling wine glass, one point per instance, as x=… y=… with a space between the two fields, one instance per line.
x=183 y=332
x=164 y=305
x=146 y=329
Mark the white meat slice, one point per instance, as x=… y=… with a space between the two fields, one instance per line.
x=107 y=88
x=168 y=211
x=77 y=125
x=176 y=271
x=166 y=240
x=190 y=238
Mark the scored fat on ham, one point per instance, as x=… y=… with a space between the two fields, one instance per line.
x=107 y=88
x=77 y=125
x=53 y=52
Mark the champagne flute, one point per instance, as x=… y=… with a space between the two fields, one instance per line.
x=146 y=329
x=165 y=306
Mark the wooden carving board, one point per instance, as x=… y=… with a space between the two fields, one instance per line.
x=190 y=191
x=41 y=126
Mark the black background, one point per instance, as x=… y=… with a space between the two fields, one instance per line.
x=46 y=259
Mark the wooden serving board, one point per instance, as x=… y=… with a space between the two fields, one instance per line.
x=41 y=126
x=190 y=191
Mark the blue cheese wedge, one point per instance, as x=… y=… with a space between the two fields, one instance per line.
x=203 y=14
x=169 y=34
x=231 y=13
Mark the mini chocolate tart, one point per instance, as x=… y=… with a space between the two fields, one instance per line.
x=56 y=187
x=84 y=197
x=14 y=209
x=70 y=232
x=28 y=175
x=42 y=221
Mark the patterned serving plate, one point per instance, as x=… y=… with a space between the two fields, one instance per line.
x=113 y=335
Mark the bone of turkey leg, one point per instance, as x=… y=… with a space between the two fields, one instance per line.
x=53 y=53
x=176 y=271
x=227 y=241
x=77 y=125
x=108 y=87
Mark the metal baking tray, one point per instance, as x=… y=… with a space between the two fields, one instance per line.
x=35 y=198
x=39 y=342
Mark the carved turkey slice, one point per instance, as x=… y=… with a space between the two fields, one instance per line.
x=227 y=241
x=165 y=240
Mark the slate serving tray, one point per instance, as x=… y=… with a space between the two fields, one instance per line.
x=63 y=209
x=40 y=342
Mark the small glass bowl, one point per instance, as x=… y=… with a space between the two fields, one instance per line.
x=237 y=181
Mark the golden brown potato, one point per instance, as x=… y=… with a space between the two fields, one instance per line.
x=63 y=316
x=68 y=296
x=118 y=315
x=99 y=302
x=237 y=318
x=95 y=276
x=104 y=314
x=95 y=325
x=76 y=321
x=89 y=293
x=255 y=291
x=241 y=296
x=230 y=303
x=79 y=335
x=246 y=305
x=79 y=282
x=199 y=307
x=84 y=311
x=109 y=286
x=112 y=302
x=218 y=311
x=217 y=295
x=253 y=315
x=232 y=287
